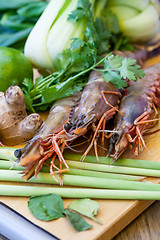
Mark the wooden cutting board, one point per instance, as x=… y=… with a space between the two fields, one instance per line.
x=115 y=214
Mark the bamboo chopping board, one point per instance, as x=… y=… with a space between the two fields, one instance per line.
x=115 y=214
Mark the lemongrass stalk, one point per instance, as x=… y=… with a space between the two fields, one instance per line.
x=90 y=173
x=9 y=165
x=72 y=171
x=120 y=162
x=114 y=169
x=81 y=181
x=27 y=191
x=7 y=153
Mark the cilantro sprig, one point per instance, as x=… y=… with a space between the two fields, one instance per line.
x=116 y=70
x=75 y=63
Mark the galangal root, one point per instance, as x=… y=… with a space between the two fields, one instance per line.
x=15 y=126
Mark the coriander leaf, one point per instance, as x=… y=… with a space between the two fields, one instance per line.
x=64 y=89
x=76 y=15
x=84 y=4
x=28 y=103
x=130 y=70
x=117 y=69
x=114 y=78
x=77 y=43
x=111 y=21
x=76 y=220
x=103 y=41
x=82 y=12
x=27 y=85
x=46 y=207
x=86 y=207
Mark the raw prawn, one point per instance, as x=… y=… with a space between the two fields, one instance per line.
x=98 y=104
x=49 y=141
x=139 y=113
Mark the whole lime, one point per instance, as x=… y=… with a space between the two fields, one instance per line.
x=14 y=68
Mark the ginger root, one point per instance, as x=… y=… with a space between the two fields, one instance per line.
x=15 y=126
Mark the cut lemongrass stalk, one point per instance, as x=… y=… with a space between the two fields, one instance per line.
x=81 y=181
x=9 y=165
x=27 y=191
x=90 y=173
x=120 y=162
x=7 y=153
x=72 y=171
x=113 y=169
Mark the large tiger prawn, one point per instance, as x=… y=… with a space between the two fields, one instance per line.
x=49 y=141
x=98 y=104
x=139 y=113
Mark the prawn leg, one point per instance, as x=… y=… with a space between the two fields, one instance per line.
x=107 y=115
x=110 y=92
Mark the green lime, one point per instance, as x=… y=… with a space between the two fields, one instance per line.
x=14 y=68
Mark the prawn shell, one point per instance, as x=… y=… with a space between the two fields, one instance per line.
x=92 y=105
x=31 y=154
x=139 y=105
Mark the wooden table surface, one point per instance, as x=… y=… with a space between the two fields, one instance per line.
x=145 y=227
